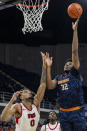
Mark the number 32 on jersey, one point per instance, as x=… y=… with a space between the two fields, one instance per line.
x=64 y=86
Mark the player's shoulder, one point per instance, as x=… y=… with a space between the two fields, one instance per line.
x=17 y=106
x=43 y=127
x=56 y=77
x=74 y=71
x=58 y=123
x=34 y=105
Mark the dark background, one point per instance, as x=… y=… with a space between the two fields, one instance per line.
x=55 y=21
x=24 y=64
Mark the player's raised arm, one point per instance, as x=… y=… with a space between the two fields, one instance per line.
x=51 y=84
x=75 y=57
x=10 y=109
x=40 y=93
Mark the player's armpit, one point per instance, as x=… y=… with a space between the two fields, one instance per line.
x=51 y=84
x=9 y=111
x=37 y=105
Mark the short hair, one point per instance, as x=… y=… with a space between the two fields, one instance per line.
x=54 y=112
x=47 y=121
x=25 y=88
x=68 y=60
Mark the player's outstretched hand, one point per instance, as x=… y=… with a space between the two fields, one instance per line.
x=43 y=59
x=49 y=60
x=75 y=25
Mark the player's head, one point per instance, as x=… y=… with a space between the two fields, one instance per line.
x=27 y=95
x=68 y=65
x=52 y=116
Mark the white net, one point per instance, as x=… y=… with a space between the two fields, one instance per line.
x=33 y=11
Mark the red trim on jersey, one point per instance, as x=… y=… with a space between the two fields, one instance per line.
x=36 y=107
x=59 y=128
x=54 y=127
x=17 y=118
x=45 y=127
x=27 y=108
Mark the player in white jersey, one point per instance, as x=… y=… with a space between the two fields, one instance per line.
x=27 y=112
x=53 y=124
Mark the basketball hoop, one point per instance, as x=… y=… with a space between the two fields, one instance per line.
x=33 y=11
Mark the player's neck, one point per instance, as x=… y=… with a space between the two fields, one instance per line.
x=52 y=122
x=65 y=73
x=27 y=104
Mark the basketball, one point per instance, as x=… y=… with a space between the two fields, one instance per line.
x=75 y=10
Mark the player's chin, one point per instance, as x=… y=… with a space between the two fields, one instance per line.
x=53 y=120
x=67 y=70
x=30 y=98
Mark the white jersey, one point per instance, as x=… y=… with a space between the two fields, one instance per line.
x=29 y=119
x=50 y=127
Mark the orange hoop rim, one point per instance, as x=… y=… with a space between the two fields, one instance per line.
x=31 y=6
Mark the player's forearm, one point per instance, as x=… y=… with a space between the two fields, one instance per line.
x=49 y=79
x=5 y=112
x=75 y=57
x=75 y=41
x=41 y=90
x=43 y=76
